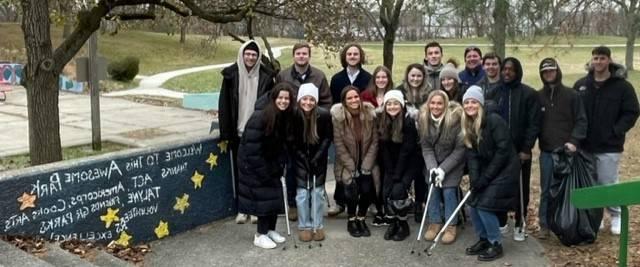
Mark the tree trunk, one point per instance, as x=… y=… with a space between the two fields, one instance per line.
x=387 y=49
x=184 y=23
x=631 y=41
x=41 y=82
x=500 y=27
x=66 y=29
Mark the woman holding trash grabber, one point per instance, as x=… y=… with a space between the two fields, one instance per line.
x=356 y=142
x=312 y=136
x=493 y=172
x=261 y=159
x=398 y=157
x=443 y=152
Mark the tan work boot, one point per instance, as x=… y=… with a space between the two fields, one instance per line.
x=319 y=235
x=293 y=214
x=432 y=231
x=305 y=235
x=449 y=235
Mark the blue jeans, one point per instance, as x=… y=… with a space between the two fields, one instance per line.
x=310 y=216
x=546 y=176
x=486 y=225
x=450 y=204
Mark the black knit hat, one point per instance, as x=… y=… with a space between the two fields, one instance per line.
x=252 y=46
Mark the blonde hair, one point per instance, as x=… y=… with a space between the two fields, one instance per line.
x=451 y=115
x=471 y=128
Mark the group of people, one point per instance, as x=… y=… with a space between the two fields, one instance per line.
x=391 y=144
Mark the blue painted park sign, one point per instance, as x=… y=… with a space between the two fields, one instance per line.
x=132 y=196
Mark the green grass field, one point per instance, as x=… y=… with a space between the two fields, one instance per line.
x=572 y=62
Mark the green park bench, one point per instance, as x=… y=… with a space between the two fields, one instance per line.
x=622 y=194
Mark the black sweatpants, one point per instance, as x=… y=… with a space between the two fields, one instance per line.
x=266 y=223
x=366 y=195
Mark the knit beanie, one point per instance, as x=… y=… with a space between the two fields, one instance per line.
x=449 y=71
x=252 y=46
x=308 y=89
x=394 y=95
x=474 y=92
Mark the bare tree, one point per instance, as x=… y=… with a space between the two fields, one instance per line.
x=631 y=13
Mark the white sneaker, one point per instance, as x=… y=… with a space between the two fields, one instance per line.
x=276 y=237
x=241 y=218
x=263 y=241
x=254 y=219
x=615 y=225
x=504 y=229
x=518 y=234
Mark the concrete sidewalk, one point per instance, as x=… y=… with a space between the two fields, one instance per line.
x=225 y=243
x=122 y=121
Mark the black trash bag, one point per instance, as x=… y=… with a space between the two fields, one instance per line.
x=572 y=171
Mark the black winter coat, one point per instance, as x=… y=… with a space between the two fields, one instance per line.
x=341 y=80
x=612 y=110
x=260 y=165
x=311 y=159
x=493 y=168
x=228 y=103
x=400 y=162
x=524 y=110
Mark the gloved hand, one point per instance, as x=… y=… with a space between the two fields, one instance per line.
x=432 y=176
x=439 y=176
x=477 y=185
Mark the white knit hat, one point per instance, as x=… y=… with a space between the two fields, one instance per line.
x=308 y=89
x=474 y=92
x=395 y=95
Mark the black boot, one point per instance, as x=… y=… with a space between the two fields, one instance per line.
x=479 y=247
x=494 y=252
x=418 y=210
x=352 y=227
x=362 y=226
x=392 y=230
x=403 y=231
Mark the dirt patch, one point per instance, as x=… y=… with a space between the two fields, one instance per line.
x=146 y=133
x=155 y=100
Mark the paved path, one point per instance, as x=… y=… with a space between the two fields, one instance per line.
x=152 y=85
x=225 y=243
x=122 y=121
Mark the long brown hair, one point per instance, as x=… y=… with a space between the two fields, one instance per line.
x=361 y=111
x=391 y=128
x=274 y=116
x=424 y=88
x=372 y=88
x=310 y=120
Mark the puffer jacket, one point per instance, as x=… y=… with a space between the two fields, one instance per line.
x=311 y=159
x=493 y=167
x=446 y=152
x=348 y=152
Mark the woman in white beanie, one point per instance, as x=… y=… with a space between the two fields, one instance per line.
x=312 y=136
x=443 y=153
x=450 y=82
x=399 y=160
x=493 y=173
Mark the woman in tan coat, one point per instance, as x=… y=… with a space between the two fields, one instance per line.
x=356 y=144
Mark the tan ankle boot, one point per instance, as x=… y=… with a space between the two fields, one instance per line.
x=432 y=231
x=449 y=235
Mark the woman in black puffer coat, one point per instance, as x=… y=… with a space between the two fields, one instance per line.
x=493 y=173
x=261 y=160
x=399 y=159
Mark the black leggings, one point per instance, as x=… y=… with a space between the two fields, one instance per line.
x=266 y=223
x=525 y=172
x=366 y=195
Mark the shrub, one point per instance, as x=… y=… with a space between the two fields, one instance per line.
x=125 y=69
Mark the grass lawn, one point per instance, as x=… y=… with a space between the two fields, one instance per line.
x=22 y=161
x=572 y=61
